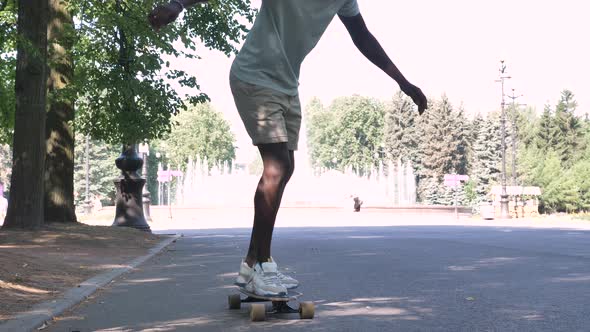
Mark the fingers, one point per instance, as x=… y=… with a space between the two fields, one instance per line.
x=153 y=19
x=160 y=17
x=420 y=100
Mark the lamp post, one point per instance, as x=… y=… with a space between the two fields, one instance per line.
x=504 y=208
x=169 y=185
x=129 y=210
x=158 y=156
x=87 y=202
x=144 y=149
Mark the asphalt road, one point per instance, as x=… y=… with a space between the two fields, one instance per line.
x=429 y=278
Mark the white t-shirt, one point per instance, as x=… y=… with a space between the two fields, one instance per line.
x=283 y=34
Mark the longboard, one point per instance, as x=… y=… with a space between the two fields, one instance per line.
x=258 y=311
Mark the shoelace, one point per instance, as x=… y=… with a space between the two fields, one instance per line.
x=270 y=278
x=283 y=276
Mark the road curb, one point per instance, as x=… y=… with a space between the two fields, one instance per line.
x=43 y=312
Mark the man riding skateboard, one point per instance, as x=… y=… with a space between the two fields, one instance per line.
x=264 y=80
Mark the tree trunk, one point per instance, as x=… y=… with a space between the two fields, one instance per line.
x=25 y=206
x=59 y=162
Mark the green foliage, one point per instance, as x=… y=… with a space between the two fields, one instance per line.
x=486 y=157
x=120 y=72
x=401 y=136
x=443 y=150
x=347 y=134
x=553 y=150
x=7 y=68
x=320 y=122
x=199 y=132
x=556 y=158
x=5 y=165
x=562 y=130
x=102 y=170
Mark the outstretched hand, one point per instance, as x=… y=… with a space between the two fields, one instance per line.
x=164 y=15
x=417 y=96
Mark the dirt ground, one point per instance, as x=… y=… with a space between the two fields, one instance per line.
x=39 y=266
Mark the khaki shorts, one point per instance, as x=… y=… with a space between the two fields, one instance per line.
x=268 y=115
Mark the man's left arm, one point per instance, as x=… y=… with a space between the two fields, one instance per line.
x=372 y=50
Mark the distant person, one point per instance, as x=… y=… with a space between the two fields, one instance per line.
x=357 y=204
x=96 y=204
x=3 y=204
x=264 y=81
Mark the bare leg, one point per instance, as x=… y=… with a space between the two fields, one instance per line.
x=279 y=164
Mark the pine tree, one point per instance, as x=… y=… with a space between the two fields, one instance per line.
x=562 y=130
x=545 y=139
x=102 y=170
x=460 y=131
x=568 y=128
x=400 y=133
x=487 y=156
x=443 y=150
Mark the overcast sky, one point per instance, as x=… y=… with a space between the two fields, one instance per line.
x=451 y=47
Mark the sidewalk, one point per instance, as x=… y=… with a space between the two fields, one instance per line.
x=62 y=261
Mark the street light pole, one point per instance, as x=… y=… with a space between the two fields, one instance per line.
x=87 y=206
x=146 y=197
x=158 y=155
x=504 y=207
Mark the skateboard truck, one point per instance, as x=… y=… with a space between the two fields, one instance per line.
x=281 y=307
x=258 y=310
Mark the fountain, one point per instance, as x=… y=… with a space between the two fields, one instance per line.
x=385 y=185
x=389 y=186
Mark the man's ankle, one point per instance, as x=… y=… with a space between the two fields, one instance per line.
x=250 y=261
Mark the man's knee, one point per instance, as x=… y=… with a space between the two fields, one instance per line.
x=276 y=172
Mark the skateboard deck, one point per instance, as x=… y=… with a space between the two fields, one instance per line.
x=251 y=297
x=258 y=311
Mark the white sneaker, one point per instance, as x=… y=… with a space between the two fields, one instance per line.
x=244 y=275
x=287 y=281
x=265 y=281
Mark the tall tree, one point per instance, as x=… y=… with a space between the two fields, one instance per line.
x=561 y=130
x=400 y=133
x=319 y=121
x=443 y=150
x=101 y=173
x=59 y=162
x=568 y=128
x=487 y=156
x=123 y=76
x=200 y=131
x=348 y=134
x=25 y=206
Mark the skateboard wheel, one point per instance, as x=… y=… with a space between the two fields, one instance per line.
x=257 y=312
x=306 y=310
x=234 y=300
